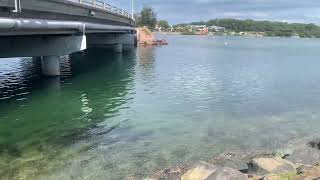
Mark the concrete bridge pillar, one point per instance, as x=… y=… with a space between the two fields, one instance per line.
x=50 y=65
x=117 y=48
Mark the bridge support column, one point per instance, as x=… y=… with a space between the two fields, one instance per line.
x=50 y=65
x=117 y=48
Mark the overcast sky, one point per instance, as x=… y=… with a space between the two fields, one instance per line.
x=178 y=11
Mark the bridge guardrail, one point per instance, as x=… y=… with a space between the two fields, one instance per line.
x=101 y=4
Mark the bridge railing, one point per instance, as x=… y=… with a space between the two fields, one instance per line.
x=101 y=4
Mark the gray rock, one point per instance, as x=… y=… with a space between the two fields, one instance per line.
x=226 y=173
x=305 y=155
x=239 y=159
x=314 y=144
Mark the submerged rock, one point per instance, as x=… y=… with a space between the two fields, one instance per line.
x=238 y=159
x=271 y=165
x=226 y=173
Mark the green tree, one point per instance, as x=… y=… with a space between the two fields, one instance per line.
x=147 y=17
x=163 y=24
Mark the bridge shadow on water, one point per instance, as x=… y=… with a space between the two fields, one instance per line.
x=21 y=76
x=40 y=116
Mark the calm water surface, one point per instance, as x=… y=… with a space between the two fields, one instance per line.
x=112 y=116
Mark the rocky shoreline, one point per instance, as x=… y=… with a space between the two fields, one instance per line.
x=298 y=160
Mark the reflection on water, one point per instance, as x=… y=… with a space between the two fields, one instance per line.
x=16 y=76
x=110 y=116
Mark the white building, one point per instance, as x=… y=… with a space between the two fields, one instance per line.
x=217 y=28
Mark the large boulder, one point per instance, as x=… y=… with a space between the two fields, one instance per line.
x=200 y=172
x=226 y=173
x=205 y=171
x=306 y=153
x=271 y=165
x=145 y=36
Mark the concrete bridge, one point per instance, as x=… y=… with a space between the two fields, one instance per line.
x=47 y=29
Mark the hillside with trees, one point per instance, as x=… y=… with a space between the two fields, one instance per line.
x=267 y=27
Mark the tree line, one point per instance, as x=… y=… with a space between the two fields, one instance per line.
x=268 y=27
x=148 y=17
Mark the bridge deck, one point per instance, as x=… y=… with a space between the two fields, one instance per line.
x=67 y=10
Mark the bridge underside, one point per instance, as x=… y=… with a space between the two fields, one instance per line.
x=50 y=46
x=65 y=27
x=60 y=45
x=25 y=37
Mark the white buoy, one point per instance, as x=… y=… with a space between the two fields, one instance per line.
x=225 y=41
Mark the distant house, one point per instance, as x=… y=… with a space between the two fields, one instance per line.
x=182 y=29
x=203 y=31
x=161 y=29
x=196 y=27
x=171 y=29
x=158 y=28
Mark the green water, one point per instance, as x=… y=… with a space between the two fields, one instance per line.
x=112 y=116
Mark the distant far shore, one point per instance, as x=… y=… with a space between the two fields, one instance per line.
x=243 y=34
x=238 y=27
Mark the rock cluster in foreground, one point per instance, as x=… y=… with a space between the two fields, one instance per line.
x=295 y=162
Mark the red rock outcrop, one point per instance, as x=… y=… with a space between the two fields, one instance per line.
x=146 y=38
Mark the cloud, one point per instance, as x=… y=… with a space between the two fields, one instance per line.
x=177 y=11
